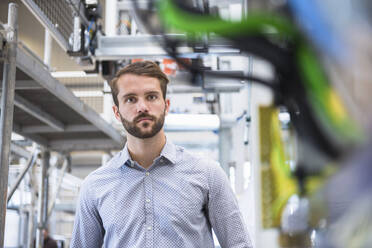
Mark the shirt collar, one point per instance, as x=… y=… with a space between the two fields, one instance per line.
x=124 y=156
x=168 y=152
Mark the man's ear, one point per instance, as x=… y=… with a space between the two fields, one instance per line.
x=116 y=112
x=167 y=105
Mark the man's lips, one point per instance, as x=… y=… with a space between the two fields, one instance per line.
x=144 y=119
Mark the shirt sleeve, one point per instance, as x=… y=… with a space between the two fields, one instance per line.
x=223 y=211
x=88 y=230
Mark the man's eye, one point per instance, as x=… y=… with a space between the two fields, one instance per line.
x=152 y=97
x=130 y=100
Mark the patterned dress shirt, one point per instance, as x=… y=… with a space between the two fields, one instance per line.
x=175 y=203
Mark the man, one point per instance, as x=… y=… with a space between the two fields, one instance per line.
x=48 y=241
x=154 y=193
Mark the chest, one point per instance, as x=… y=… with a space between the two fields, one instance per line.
x=164 y=198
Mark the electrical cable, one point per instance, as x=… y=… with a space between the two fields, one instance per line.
x=170 y=46
x=331 y=112
x=256 y=23
x=310 y=95
x=171 y=50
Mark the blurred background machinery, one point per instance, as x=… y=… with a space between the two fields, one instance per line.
x=280 y=89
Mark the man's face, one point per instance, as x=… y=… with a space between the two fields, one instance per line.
x=142 y=108
x=45 y=233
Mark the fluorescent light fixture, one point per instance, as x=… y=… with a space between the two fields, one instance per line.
x=87 y=93
x=90 y=2
x=191 y=122
x=72 y=74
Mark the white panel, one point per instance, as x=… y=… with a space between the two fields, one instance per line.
x=11 y=229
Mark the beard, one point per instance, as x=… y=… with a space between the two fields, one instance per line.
x=136 y=131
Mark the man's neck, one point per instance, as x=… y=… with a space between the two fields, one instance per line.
x=144 y=151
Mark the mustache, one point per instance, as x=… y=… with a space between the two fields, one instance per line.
x=140 y=116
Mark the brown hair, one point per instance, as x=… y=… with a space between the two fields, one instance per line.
x=142 y=68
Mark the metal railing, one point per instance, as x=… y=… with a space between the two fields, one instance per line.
x=57 y=17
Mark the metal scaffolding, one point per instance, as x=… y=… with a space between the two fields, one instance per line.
x=57 y=17
x=37 y=106
x=43 y=198
x=7 y=106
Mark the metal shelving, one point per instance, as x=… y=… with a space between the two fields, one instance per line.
x=37 y=106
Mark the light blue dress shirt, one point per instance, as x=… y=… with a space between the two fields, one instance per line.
x=174 y=203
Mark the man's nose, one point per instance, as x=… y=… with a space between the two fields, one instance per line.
x=142 y=106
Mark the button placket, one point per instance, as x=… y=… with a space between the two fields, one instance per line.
x=148 y=209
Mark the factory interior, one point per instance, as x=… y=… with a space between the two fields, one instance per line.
x=275 y=91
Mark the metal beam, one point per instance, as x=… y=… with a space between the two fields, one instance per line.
x=2 y=40
x=65 y=207
x=66 y=164
x=84 y=145
x=184 y=89
x=40 y=74
x=7 y=107
x=31 y=161
x=181 y=83
x=20 y=151
x=27 y=85
x=224 y=147
x=37 y=112
x=43 y=199
x=85 y=85
x=37 y=138
x=31 y=221
x=147 y=46
x=67 y=129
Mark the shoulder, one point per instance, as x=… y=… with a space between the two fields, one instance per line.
x=197 y=161
x=209 y=167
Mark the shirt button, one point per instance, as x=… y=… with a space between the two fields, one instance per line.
x=161 y=160
x=149 y=228
x=147 y=173
x=147 y=200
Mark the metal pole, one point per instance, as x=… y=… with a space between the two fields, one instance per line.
x=224 y=146
x=47 y=48
x=111 y=18
x=22 y=212
x=31 y=220
x=43 y=199
x=30 y=163
x=59 y=183
x=7 y=105
x=77 y=32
